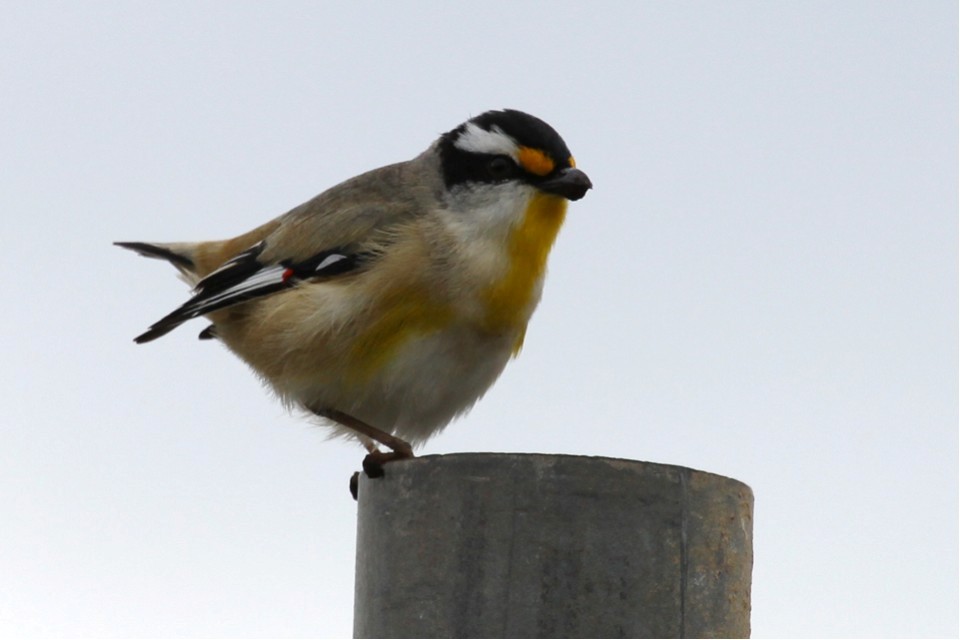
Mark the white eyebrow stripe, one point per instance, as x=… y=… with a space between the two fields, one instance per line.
x=476 y=139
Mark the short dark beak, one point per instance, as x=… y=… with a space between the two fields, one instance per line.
x=570 y=183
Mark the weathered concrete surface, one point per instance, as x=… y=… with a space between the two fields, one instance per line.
x=530 y=545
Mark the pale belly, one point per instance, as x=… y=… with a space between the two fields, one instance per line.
x=428 y=382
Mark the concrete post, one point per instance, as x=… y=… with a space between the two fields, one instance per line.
x=551 y=546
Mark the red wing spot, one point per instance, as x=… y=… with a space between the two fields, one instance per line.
x=287 y=274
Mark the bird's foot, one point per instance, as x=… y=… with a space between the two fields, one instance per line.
x=374 y=461
x=355 y=484
x=373 y=464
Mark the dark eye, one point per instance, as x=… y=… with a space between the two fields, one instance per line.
x=501 y=167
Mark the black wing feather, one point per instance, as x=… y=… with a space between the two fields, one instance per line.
x=244 y=278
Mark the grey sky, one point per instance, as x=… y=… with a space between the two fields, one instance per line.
x=762 y=284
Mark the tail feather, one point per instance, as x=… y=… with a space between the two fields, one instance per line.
x=161 y=251
x=181 y=256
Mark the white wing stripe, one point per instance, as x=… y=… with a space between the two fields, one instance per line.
x=332 y=259
x=265 y=277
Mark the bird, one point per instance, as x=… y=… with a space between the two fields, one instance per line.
x=387 y=305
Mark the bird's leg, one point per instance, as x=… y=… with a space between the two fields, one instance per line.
x=367 y=443
x=370 y=446
x=400 y=448
x=373 y=463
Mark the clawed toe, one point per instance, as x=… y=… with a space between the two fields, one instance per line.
x=373 y=466
x=374 y=461
x=355 y=484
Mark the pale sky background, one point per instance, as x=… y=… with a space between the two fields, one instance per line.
x=763 y=284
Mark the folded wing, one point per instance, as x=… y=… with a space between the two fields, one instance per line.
x=245 y=277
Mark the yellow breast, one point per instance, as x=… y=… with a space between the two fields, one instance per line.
x=508 y=301
x=408 y=311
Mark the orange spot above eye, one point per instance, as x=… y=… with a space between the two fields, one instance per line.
x=571 y=162
x=535 y=161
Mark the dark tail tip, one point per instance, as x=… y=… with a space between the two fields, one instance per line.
x=154 y=251
x=156 y=331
